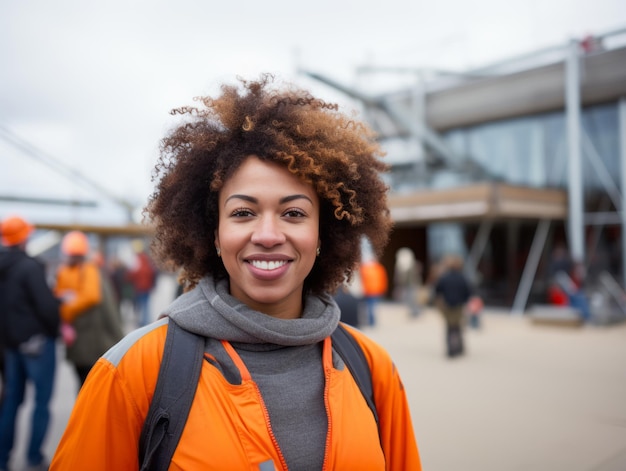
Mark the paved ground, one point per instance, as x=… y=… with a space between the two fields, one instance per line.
x=525 y=397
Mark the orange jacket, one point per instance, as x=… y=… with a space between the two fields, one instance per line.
x=79 y=285
x=228 y=425
x=374 y=278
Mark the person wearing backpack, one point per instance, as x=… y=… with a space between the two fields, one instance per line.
x=263 y=195
x=452 y=292
x=29 y=325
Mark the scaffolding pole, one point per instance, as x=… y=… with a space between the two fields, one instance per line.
x=478 y=248
x=575 y=176
x=530 y=268
x=419 y=102
x=622 y=146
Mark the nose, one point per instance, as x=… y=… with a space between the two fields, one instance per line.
x=267 y=232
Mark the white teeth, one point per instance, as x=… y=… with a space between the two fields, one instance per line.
x=265 y=265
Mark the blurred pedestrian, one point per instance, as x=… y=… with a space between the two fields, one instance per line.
x=349 y=298
x=123 y=290
x=143 y=279
x=452 y=292
x=560 y=261
x=578 y=297
x=79 y=286
x=111 y=316
x=29 y=324
x=2 y=341
x=407 y=279
x=375 y=283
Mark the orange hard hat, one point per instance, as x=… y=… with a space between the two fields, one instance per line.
x=15 y=230
x=75 y=243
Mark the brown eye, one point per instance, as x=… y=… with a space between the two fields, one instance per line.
x=241 y=212
x=294 y=213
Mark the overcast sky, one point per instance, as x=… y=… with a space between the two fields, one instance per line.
x=90 y=84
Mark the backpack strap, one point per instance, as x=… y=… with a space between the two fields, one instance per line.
x=172 y=398
x=352 y=355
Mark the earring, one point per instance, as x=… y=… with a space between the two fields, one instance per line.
x=317 y=252
x=219 y=251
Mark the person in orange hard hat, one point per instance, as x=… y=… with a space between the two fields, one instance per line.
x=78 y=285
x=29 y=324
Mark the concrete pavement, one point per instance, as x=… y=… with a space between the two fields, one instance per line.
x=524 y=397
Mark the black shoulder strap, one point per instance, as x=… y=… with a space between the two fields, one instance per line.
x=172 y=398
x=352 y=355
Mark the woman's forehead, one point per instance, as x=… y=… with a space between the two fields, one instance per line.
x=256 y=175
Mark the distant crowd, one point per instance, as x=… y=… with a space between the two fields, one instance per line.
x=89 y=302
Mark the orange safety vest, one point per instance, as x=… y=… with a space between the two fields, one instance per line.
x=81 y=285
x=374 y=278
x=228 y=426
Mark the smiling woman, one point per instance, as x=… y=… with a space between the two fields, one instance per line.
x=264 y=195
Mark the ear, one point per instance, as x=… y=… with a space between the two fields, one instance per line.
x=217 y=240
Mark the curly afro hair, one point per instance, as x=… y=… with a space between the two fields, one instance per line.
x=335 y=153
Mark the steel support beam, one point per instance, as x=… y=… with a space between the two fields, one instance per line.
x=622 y=145
x=575 y=175
x=407 y=123
x=478 y=248
x=419 y=109
x=530 y=268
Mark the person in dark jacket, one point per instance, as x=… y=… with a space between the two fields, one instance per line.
x=452 y=291
x=29 y=324
x=2 y=250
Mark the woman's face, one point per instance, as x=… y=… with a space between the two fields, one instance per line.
x=268 y=234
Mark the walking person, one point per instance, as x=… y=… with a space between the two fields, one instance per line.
x=143 y=280
x=407 y=279
x=2 y=341
x=452 y=292
x=264 y=194
x=79 y=286
x=29 y=324
x=110 y=320
x=375 y=284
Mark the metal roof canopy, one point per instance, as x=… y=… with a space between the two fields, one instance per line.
x=478 y=202
x=603 y=78
x=129 y=230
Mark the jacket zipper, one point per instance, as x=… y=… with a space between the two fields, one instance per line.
x=327 y=407
x=266 y=416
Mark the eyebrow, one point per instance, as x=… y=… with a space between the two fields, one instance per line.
x=285 y=199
